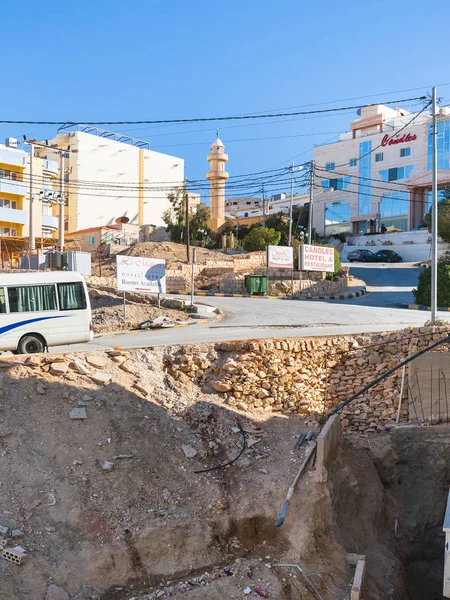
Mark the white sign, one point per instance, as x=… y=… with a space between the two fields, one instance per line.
x=137 y=274
x=280 y=256
x=317 y=258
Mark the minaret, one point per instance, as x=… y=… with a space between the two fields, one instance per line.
x=217 y=177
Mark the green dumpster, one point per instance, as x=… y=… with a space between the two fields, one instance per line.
x=256 y=284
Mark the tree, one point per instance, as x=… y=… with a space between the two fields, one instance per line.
x=422 y=294
x=199 y=221
x=443 y=217
x=260 y=237
x=175 y=219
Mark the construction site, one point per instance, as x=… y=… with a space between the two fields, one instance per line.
x=227 y=470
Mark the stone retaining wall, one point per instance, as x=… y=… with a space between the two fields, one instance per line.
x=308 y=376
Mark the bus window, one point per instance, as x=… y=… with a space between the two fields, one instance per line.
x=32 y=298
x=2 y=300
x=71 y=296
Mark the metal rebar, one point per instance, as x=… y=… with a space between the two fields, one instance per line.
x=413 y=402
x=420 y=396
x=305 y=577
x=445 y=389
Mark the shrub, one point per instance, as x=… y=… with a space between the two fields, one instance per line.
x=422 y=294
x=260 y=237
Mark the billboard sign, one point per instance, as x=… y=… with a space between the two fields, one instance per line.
x=317 y=258
x=280 y=257
x=143 y=275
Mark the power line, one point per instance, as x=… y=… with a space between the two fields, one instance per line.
x=204 y=119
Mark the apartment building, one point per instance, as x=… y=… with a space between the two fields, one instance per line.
x=243 y=208
x=111 y=178
x=15 y=176
x=379 y=173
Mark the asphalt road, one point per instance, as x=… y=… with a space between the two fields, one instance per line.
x=246 y=318
x=387 y=284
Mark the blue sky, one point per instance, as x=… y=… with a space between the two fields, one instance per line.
x=158 y=59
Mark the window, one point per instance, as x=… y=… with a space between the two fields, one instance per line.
x=379 y=157
x=92 y=241
x=8 y=231
x=405 y=152
x=71 y=296
x=337 y=218
x=46 y=182
x=66 y=177
x=394 y=210
x=353 y=162
x=394 y=174
x=32 y=298
x=8 y=204
x=330 y=166
x=2 y=300
x=248 y=203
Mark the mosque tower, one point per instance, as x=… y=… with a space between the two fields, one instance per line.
x=217 y=177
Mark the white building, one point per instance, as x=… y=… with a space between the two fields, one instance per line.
x=253 y=207
x=379 y=173
x=111 y=178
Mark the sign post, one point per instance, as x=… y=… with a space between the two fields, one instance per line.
x=194 y=260
x=280 y=257
x=141 y=275
x=317 y=258
x=124 y=307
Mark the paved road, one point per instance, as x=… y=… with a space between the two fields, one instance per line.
x=259 y=318
x=388 y=284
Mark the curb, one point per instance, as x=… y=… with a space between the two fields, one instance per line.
x=357 y=294
x=422 y=307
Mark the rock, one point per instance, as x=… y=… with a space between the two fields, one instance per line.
x=230 y=365
x=221 y=386
x=107 y=465
x=55 y=592
x=58 y=368
x=101 y=378
x=78 y=413
x=17 y=533
x=79 y=367
x=40 y=389
x=140 y=389
x=189 y=451
x=3 y=530
x=96 y=361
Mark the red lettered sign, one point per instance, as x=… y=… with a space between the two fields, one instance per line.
x=404 y=139
x=317 y=258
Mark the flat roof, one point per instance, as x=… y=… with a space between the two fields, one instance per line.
x=33 y=277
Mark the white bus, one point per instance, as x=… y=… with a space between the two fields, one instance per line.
x=39 y=310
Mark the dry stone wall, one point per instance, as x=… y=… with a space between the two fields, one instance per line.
x=308 y=376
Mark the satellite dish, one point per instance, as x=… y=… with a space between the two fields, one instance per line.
x=122 y=220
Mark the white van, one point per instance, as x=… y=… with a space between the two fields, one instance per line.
x=39 y=310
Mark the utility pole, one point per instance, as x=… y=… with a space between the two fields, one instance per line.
x=186 y=201
x=31 y=234
x=61 y=204
x=434 y=215
x=264 y=207
x=311 y=200
x=290 y=205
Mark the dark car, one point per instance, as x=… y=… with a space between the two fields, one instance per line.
x=388 y=256
x=361 y=256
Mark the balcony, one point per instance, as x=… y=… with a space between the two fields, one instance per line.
x=50 y=222
x=12 y=157
x=13 y=215
x=51 y=166
x=11 y=186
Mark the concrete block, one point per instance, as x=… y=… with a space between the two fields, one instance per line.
x=13 y=556
x=328 y=445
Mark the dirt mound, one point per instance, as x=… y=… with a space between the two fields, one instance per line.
x=98 y=471
x=107 y=310
x=172 y=252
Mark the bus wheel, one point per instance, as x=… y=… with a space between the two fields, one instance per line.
x=31 y=344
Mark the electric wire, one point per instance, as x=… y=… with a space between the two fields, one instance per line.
x=69 y=123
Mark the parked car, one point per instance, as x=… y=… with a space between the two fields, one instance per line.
x=388 y=256
x=361 y=256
